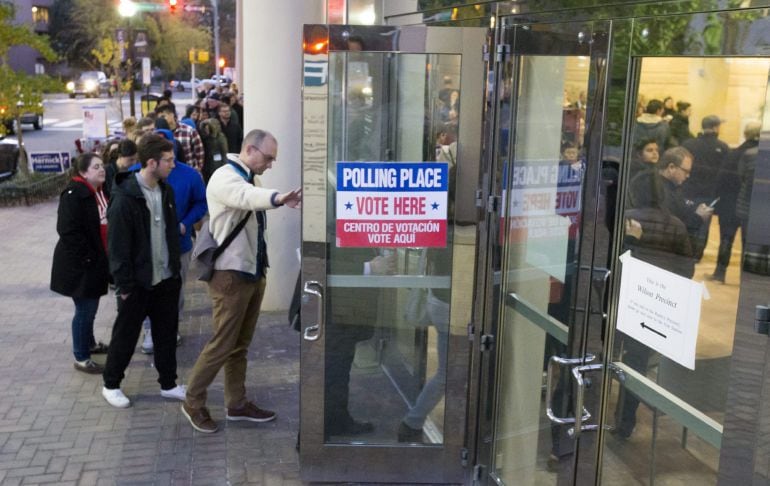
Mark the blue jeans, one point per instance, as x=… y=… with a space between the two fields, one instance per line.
x=438 y=312
x=83 y=327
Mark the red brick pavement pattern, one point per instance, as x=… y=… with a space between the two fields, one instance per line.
x=55 y=428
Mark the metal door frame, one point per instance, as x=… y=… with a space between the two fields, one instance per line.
x=507 y=60
x=344 y=462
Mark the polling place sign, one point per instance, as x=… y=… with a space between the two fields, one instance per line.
x=392 y=204
x=49 y=161
x=660 y=309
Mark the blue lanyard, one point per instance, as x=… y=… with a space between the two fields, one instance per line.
x=248 y=176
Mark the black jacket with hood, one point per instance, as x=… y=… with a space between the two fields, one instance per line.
x=128 y=233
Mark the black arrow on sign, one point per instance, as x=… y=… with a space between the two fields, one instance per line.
x=654 y=330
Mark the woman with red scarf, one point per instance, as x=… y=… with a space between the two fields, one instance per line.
x=80 y=268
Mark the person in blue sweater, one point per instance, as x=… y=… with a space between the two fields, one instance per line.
x=190 y=199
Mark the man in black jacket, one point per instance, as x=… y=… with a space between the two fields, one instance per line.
x=709 y=156
x=143 y=249
x=674 y=169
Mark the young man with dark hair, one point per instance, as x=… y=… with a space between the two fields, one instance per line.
x=186 y=136
x=143 y=253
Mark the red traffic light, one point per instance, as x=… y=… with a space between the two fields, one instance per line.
x=172 y=5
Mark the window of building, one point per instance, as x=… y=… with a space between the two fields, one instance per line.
x=40 y=14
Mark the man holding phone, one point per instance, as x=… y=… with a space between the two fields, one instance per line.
x=709 y=158
x=673 y=171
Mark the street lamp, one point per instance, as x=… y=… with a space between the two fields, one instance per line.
x=127 y=9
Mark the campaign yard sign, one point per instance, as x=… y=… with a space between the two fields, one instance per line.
x=49 y=161
x=392 y=204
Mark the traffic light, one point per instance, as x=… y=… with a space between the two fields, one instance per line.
x=222 y=63
x=172 y=5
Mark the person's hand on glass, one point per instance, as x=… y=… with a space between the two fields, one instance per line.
x=293 y=199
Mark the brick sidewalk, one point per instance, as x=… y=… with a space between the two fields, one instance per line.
x=55 y=427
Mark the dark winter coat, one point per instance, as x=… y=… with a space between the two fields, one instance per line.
x=671 y=198
x=79 y=260
x=651 y=127
x=709 y=155
x=680 y=129
x=746 y=167
x=730 y=180
x=128 y=233
x=664 y=242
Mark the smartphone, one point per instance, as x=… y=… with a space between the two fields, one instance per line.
x=714 y=203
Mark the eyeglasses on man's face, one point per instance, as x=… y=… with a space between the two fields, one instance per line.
x=268 y=158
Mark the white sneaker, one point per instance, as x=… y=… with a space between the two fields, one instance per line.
x=177 y=393
x=116 y=398
x=147 y=346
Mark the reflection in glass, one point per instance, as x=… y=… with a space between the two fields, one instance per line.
x=385 y=342
x=544 y=193
x=684 y=210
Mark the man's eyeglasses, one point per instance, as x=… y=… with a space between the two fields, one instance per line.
x=167 y=160
x=686 y=171
x=268 y=158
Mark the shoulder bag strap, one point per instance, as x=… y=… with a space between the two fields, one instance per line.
x=230 y=237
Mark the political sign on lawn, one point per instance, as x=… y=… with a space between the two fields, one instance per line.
x=49 y=161
x=392 y=204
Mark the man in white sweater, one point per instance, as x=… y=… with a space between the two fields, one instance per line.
x=238 y=282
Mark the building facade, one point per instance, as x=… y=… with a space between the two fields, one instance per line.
x=551 y=312
x=36 y=14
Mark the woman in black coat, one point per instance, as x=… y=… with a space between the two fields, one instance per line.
x=80 y=267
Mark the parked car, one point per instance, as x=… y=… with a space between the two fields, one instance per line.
x=27 y=118
x=90 y=83
x=183 y=84
x=223 y=81
x=9 y=158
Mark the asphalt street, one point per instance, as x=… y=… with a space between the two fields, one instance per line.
x=63 y=120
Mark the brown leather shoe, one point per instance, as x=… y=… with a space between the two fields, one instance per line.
x=200 y=419
x=251 y=413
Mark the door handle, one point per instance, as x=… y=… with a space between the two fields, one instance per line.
x=552 y=362
x=313 y=332
x=577 y=373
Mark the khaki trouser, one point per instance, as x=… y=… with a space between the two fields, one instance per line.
x=235 y=306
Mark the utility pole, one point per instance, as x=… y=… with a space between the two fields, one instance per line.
x=127 y=9
x=215 y=6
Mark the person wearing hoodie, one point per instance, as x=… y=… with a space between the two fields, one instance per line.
x=651 y=125
x=190 y=199
x=143 y=254
x=79 y=266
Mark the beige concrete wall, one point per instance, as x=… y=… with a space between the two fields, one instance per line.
x=733 y=89
x=272 y=87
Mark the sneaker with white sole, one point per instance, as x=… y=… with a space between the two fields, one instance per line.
x=147 y=346
x=177 y=393
x=116 y=398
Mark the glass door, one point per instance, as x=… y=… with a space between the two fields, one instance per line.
x=690 y=298
x=387 y=253
x=549 y=255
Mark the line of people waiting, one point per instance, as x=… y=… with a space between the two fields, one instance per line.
x=127 y=218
